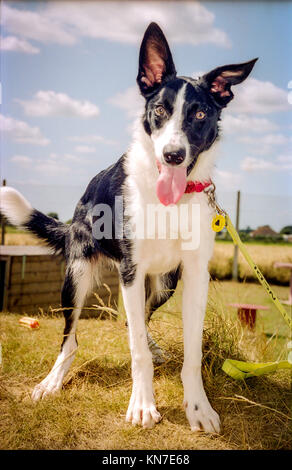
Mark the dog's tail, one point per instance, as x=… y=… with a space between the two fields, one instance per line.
x=19 y=212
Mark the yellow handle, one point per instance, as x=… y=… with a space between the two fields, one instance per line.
x=242 y=370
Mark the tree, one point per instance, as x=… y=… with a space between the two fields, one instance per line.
x=286 y=230
x=53 y=214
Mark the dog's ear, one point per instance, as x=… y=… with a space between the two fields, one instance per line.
x=219 y=80
x=155 y=61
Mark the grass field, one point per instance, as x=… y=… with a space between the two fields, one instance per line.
x=89 y=413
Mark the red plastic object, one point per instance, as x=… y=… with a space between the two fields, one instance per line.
x=247 y=313
x=29 y=322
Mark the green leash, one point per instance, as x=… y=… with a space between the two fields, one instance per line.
x=237 y=369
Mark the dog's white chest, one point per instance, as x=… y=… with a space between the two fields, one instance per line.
x=162 y=235
x=158 y=256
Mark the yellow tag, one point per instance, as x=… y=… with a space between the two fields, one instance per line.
x=218 y=223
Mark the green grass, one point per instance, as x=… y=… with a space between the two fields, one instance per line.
x=89 y=413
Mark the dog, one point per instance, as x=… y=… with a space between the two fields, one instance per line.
x=169 y=164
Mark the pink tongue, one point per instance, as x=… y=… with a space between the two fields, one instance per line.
x=171 y=184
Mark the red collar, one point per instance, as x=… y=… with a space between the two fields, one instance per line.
x=192 y=186
x=197 y=186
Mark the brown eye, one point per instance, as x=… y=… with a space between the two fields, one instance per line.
x=200 y=115
x=160 y=111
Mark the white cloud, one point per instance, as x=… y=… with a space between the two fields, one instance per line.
x=285 y=158
x=35 y=25
x=55 y=163
x=183 y=22
x=258 y=97
x=50 y=103
x=227 y=178
x=92 y=139
x=21 y=132
x=51 y=167
x=243 y=123
x=12 y=43
x=269 y=139
x=65 y=22
x=256 y=164
x=66 y=157
x=130 y=101
x=21 y=160
x=265 y=144
x=85 y=149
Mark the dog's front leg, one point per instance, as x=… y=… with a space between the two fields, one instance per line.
x=141 y=408
x=199 y=412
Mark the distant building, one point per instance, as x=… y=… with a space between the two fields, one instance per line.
x=264 y=231
x=287 y=238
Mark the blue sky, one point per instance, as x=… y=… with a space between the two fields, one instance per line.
x=69 y=96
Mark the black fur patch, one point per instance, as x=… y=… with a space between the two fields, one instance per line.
x=49 y=229
x=67 y=299
x=169 y=281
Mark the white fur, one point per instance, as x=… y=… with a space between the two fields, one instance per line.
x=83 y=271
x=159 y=256
x=14 y=206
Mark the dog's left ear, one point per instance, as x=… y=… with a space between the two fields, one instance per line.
x=219 y=80
x=155 y=61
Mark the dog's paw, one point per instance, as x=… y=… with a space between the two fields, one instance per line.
x=202 y=417
x=49 y=386
x=142 y=411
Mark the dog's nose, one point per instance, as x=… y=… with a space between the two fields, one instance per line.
x=174 y=155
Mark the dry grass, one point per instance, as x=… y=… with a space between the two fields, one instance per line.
x=263 y=255
x=89 y=412
x=22 y=238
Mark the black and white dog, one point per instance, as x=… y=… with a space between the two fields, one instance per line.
x=168 y=165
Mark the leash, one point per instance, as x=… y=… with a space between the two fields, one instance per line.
x=237 y=369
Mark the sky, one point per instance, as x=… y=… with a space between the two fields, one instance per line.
x=69 y=95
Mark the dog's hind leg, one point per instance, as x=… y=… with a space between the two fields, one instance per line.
x=159 y=289
x=156 y=351
x=77 y=283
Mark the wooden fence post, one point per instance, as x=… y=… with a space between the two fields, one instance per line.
x=3 y=222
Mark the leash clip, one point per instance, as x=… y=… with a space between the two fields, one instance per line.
x=210 y=191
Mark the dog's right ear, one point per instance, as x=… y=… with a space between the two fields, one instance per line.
x=155 y=61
